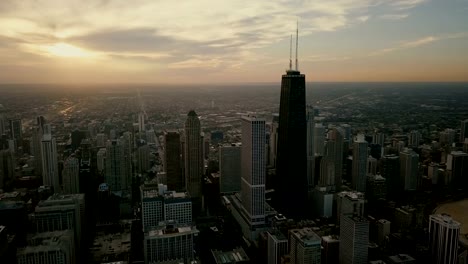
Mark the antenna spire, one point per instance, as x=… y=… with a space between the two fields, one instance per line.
x=290 y=53
x=297 y=40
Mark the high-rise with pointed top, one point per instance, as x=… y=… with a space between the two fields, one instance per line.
x=291 y=184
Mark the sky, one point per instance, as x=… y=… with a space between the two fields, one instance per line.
x=232 y=41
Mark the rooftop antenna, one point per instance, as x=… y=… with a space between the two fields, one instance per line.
x=297 y=38
x=290 y=54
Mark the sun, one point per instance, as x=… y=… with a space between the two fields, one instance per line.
x=66 y=50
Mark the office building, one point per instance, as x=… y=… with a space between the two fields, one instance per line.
x=414 y=138
x=101 y=140
x=50 y=175
x=37 y=134
x=158 y=204
x=143 y=158
x=383 y=231
x=230 y=169
x=464 y=130
x=443 y=239
x=354 y=239
x=457 y=169
x=447 y=137
x=409 y=169
x=379 y=139
x=322 y=201
x=350 y=203
x=61 y=212
x=291 y=163
x=70 y=175
x=3 y=125
x=376 y=188
x=401 y=259
x=51 y=247
x=305 y=246
x=141 y=122
x=277 y=246
x=274 y=140
x=116 y=172
x=359 y=174
x=7 y=166
x=319 y=140
x=391 y=173
x=16 y=129
x=170 y=241
x=173 y=160
x=101 y=160
x=253 y=167
x=334 y=153
x=330 y=249
x=194 y=161
x=310 y=147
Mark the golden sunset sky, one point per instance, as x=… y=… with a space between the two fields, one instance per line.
x=221 y=41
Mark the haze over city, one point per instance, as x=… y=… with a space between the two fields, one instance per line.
x=207 y=41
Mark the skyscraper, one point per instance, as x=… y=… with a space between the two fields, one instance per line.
x=116 y=172
x=2 y=120
x=443 y=239
x=50 y=175
x=292 y=180
x=305 y=246
x=253 y=169
x=70 y=175
x=277 y=246
x=16 y=129
x=335 y=152
x=229 y=169
x=457 y=169
x=409 y=169
x=319 y=139
x=359 y=164
x=464 y=130
x=354 y=240
x=273 y=140
x=172 y=161
x=193 y=155
x=141 y=123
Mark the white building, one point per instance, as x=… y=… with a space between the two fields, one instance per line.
x=168 y=242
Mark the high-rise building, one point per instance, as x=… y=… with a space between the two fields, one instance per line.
x=7 y=166
x=447 y=137
x=409 y=169
x=464 y=130
x=50 y=175
x=291 y=164
x=230 y=169
x=37 y=134
x=50 y=247
x=277 y=246
x=305 y=246
x=193 y=156
x=354 y=239
x=101 y=160
x=383 y=230
x=158 y=204
x=116 y=171
x=331 y=249
x=141 y=122
x=319 y=140
x=2 y=121
x=16 y=129
x=414 y=138
x=143 y=158
x=371 y=166
x=457 y=169
x=61 y=212
x=310 y=147
x=391 y=173
x=70 y=175
x=172 y=161
x=350 y=203
x=253 y=169
x=379 y=139
x=443 y=239
x=101 y=140
x=359 y=175
x=170 y=241
x=335 y=154
x=274 y=140
x=322 y=201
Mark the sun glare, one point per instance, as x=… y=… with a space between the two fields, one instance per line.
x=67 y=50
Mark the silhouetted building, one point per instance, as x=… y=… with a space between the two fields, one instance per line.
x=359 y=164
x=230 y=168
x=464 y=130
x=193 y=156
x=50 y=174
x=172 y=161
x=409 y=169
x=291 y=164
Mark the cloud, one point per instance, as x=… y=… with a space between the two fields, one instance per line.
x=394 y=16
x=419 y=42
x=406 y=4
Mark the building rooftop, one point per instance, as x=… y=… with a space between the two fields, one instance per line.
x=331 y=239
x=170 y=228
x=401 y=258
x=307 y=236
x=236 y=255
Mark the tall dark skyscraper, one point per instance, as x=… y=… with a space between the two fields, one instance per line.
x=291 y=165
x=172 y=161
x=193 y=155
